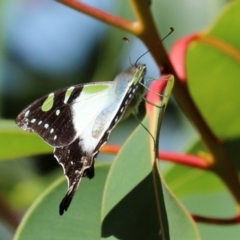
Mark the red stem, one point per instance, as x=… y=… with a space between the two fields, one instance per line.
x=99 y=14
x=184 y=159
x=219 y=221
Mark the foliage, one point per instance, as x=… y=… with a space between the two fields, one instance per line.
x=130 y=198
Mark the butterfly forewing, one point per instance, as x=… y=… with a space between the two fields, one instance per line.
x=51 y=116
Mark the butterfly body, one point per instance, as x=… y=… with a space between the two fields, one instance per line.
x=78 y=120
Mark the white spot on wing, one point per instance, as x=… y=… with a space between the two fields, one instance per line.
x=57 y=112
x=52 y=130
x=46 y=126
x=27 y=113
x=33 y=120
x=55 y=137
x=40 y=122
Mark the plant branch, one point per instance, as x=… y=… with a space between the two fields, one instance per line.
x=110 y=149
x=219 y=221
x=100 y=15
x=185 y=159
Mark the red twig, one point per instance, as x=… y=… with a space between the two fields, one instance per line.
x=184 y=159
x=220 y=221
x=111 y=149
x=100 y=15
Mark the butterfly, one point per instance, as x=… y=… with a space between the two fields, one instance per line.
x=77 y=121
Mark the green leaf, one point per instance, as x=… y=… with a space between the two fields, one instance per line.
x=205 y=194
x=213 y=74
x=17 y=143
x=188 y=181
x=215 y=57
x=133 y=201
x=129 y=197
x=82 y=221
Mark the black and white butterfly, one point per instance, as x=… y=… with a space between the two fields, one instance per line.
x=78 y=120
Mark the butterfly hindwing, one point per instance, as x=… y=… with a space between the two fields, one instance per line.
x=76 y=164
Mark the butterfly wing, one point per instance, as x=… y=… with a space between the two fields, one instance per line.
x=51 y=116
x=71 y=120
x=77 y=158
x=99 y=126
x=78 y=120
x=75 y=165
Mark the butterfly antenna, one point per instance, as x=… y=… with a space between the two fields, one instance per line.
x=129 y=57
x=149 y=50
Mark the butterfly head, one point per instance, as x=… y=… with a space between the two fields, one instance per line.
x=136 y=73
x=140 y=72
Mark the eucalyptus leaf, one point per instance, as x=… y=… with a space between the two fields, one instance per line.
x=22 y=143
x=215 y=87
x=82 y=221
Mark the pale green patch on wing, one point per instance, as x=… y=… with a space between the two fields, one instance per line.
x=94 y=88
x=68 y=94
x=48 y=103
